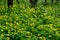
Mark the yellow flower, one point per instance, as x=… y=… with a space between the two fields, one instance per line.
x=44 y=38
x=22 y=29
x=50 y=8
x=8 y=34
x=28 y=9
x=38 y=34
x=35 y=36
x=15 y=27
x=50 y=25
x=28 y=32
x=45 y=14
x=8 y=38
x=40 y=38
x=17 y=18
x=12 y=32
x=6 y=28
x=1 y=17
x=21 y=10
x=52 y=17
x=49 y=35
x=11 y=24
x=2 y=35
x=57 y=32
x=32 y=24
x=32 y=9
x=54 y=29
x=29 y=36
x=2 y=30
x=30 y=18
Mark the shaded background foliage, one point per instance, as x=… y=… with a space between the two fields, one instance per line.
x=26 y=2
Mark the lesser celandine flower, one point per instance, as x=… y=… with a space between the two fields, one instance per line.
x=57 y=32
x=1 y=17
x=8 y=38
x=22 y=28
x=2 y=35
x=44 y=38
x=32 y=9
x=2 y=30
x=15 y=27
x=38 y=34
x=32 y=24
x=50 y=26
x=40 y=38
x=11 y=24
x=50 y=36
